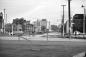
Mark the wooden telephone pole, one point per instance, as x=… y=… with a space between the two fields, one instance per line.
x=4 y=21
x=83 y=20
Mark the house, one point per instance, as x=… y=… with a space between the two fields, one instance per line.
x=19 y=27
x=16 y=29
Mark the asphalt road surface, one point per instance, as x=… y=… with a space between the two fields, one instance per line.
x=25 y=48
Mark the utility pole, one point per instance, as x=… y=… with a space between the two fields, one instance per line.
x=63 y=21
x=69 y=17
x=4 y=21
x=49 y=26
x=12 y=28
x=83 y=20
x=47 y=30
x=6 y=18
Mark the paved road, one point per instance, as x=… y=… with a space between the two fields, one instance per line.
x=40 y=48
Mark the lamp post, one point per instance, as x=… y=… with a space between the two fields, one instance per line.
x=83 y=20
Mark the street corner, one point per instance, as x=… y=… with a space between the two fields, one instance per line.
x=82 y=54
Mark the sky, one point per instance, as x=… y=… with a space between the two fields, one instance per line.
x=40 y=9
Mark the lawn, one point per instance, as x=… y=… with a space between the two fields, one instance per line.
x=40 y=48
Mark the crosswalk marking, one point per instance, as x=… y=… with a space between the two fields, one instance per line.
x=11 y=38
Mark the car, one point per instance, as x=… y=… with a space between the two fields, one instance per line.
x=76 y=32
x=16 y=33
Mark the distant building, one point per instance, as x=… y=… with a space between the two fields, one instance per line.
x=44 y=25
x=17 y=27
x=40 y=25
x=28 y=28
x=43 y=22
x=37 y=26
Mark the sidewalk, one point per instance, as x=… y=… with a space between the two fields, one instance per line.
x=39 y=38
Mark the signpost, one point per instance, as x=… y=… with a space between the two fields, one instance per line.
x=47 y=30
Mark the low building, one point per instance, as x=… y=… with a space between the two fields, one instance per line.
x=28 y=28
x=79 y=23
x=17 y=27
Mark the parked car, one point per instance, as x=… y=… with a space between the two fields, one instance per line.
x=16 y=32
x=77 y=32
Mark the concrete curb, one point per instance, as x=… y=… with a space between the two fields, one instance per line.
x=41 y=39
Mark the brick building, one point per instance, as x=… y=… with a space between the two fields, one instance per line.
x=28 y=28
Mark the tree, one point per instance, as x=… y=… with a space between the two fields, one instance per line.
x=8 y=27
x=20 y=21
x=43 y=29
x=54 y=28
